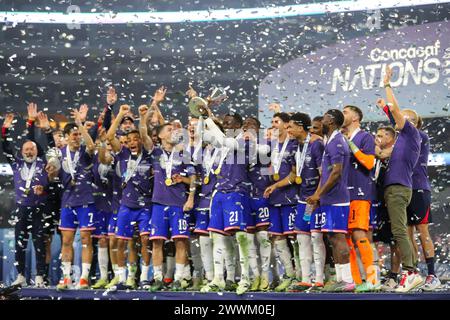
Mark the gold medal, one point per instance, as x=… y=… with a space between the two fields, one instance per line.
x=168 y=182
x=124 y=184
x=217 y=171
x=206 y=180
x=276 y=177
x=27 y=191
x=72 y=183
x=298 y=180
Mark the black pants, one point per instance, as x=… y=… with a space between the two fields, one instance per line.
x=30 y=219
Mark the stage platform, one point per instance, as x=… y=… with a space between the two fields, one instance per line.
x=53 y=294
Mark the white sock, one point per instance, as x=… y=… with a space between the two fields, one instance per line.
x=115 y=268
x=170 y=267
x=346 y=272
x=187 y=272
x=265 y=249
x=132 y=270
x=144 y=272
x=230 y=258
x=319 y=255
x=103 y=260
x=206 y=252
x=179 y=270
x=274 y=263
x=157 y=273
x=196 y=258
x=218 y=255
x=243 y=246
x=252 y=255
x=305 y=255
x=283 y=252
x=66 y=267
x=122 y=273
x=297 y=264
x=338 y=272
x=85 y=268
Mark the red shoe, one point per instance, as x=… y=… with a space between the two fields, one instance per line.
x=167 y=281
x=66 y=283
x=83 y=284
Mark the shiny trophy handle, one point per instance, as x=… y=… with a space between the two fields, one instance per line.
x=198 y=107
x=53 y=156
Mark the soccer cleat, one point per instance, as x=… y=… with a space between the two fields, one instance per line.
x=389 y=285
x=196 y=284
x=275 y=283
x=120 y=286
x=431 y=283
x=167 y=281
x=158 y=285
x=113 y=282
x=243 y=287
x=329 y=286
x=299 y=287
x=176 y=286
x=343 y=286
x=213 y=286
x=39 y=282
x=20 y=281
x=100 y=284
x=83 y=284
x=255 y=284
x=264 y=284
x=285 y=283
x=365 y=287
x=144 y=285
x=64 y=284
x=131 y=283
x=230 y=285
x=186 y=283
x=409 y=281
x=317 y=287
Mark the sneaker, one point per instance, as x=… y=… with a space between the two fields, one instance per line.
x=285 y=283
x=409 y=281
x=243 y=287
x=157 y=285
x=83 y=284
x=343 y=286
x=39 y=282
x=255 y=284
x=20 y=281
x=100 y=284
x=176 y=286
x=299 y=286
x=317 y=287
x=144 y=285
x=214 y=286
x=365 y=287
x=329 y=286
x=131 y=283
x=389 y=285
x=113 y=282
x=230 y=285
x=64 y=284
x=431 y=283
x=264 y=284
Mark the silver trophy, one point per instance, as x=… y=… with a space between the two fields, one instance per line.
x=53 y=156
x=198 y=106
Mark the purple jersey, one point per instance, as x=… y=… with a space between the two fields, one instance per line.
x=175 y=194
x=310 y=172
x=404 y=157
x=22 y=169
x=203 y=198
x=103 y=185
x=81 y=193
x=420 y=174
x=288 y=195
x=360 y=183
x=137 y=191
x=336 y=152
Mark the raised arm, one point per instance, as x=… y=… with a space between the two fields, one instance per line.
x=143 y=130
x=90 y=145
x=103 y=155
x=111 y=99
x=6 y=145
x=158 y=97
x=111 y=134
x=393 y=107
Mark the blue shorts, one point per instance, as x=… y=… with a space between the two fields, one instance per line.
x=82 y=217
x=373 y=218
x=168 y=222
x=201 y=221
x=282 y=220
x=260 y=209
x=190 y=219
x=227 y=212
x=102 y=223
x=330 y=219
x=302 y=221
x=112 y=223
x=128 y=219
